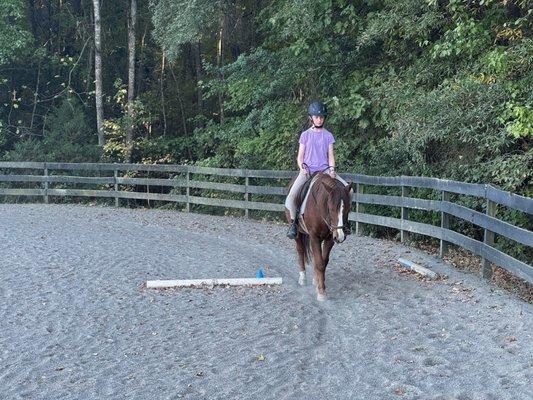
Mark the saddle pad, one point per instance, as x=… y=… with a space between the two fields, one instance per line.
x=309 y=186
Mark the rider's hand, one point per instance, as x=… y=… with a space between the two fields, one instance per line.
x=332 y=173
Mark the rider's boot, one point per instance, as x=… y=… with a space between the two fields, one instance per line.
x=293 y=229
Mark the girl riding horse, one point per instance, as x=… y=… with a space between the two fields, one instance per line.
x=325 y=218
x=315 y=154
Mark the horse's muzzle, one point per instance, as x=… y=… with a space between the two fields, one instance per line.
x=338 y=235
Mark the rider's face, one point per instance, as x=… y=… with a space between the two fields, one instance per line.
x=318 y=120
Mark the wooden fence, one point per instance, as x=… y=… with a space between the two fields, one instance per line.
x=114 y=184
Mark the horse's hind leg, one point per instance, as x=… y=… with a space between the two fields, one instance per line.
x=300 y=249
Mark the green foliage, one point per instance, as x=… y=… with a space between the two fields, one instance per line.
x=466 y=39
x=116 y=128
x=413 y=87
x=427 y=89
x=454 y=131
x=14 y=30
x=298 y=20
x=66 y=138
x=179 y=22
x=401 y=26
x=520 y=120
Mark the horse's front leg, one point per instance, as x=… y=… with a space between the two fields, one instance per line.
x=318 y=266
x=327 y=245
x=300 y=250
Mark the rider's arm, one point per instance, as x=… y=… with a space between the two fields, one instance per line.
x=300 y=158
x=331 y=157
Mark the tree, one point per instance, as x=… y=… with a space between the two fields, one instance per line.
x=98 y=73
x=14 y=32
x=177 y=23
x=132 y=21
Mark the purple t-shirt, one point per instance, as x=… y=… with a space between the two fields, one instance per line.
x=316 y=142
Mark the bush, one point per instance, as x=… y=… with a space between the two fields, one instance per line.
x=66 y=138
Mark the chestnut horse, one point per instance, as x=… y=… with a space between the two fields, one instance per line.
x=325 y=220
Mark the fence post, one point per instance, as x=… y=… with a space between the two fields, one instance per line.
x=46 y=199
x=486 y=269
x=359 y=209
x=444 y=224
x=188 y=206
x=115 y=175
x=404 y=235
x=246 y=194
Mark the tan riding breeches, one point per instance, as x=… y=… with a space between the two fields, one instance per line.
x=290 y=201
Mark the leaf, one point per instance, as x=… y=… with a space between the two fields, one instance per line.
x=399 y=391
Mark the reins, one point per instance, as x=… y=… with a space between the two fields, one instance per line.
x=328 y=224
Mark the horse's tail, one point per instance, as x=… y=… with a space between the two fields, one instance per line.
x=307 y=249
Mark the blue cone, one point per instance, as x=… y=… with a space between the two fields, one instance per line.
x=260 y=273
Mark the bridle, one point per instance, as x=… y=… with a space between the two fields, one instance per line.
x=331 y=227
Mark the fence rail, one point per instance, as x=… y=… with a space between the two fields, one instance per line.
x=51 y=174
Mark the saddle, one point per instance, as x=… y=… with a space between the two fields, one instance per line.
x=304 y=190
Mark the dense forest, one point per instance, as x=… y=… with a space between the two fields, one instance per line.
x=435 y=88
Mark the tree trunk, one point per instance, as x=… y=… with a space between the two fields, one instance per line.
x=198 y=65
x=33 y=22
x=220 y=54
x=36 y=95
x=98 y=73
x=141 y=60
x=162 y=88
x=89 y=71
x=132 y=21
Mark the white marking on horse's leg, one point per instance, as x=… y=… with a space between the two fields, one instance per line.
x=301 y=278
x=321 y=297
x=340 y=231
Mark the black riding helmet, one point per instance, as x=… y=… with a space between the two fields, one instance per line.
x=317 y=108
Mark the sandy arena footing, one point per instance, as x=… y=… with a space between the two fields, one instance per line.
x=76 y=322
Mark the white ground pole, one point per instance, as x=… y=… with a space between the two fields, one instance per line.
x=213 y=282
x=417 y=268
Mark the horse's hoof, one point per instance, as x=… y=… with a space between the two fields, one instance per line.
x=321 y=297
x=301 y=279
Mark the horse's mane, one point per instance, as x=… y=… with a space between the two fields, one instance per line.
x=327 y=180
x=324 y=188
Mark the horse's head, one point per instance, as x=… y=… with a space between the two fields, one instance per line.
x=338 y=207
